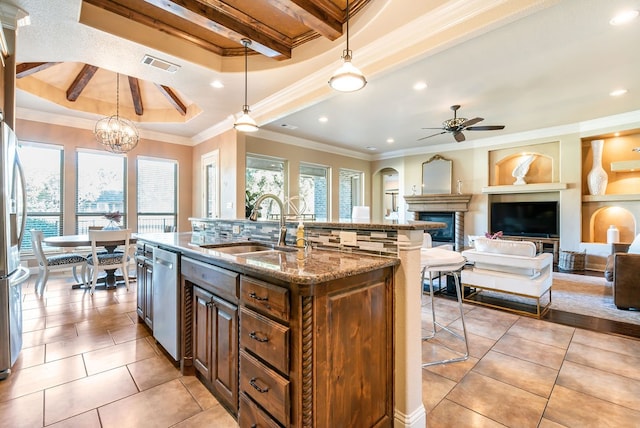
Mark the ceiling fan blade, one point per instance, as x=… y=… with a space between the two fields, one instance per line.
x=485 y=128
x=432 y=135
x=459 y=136
x=471 y=121
x=439 y=127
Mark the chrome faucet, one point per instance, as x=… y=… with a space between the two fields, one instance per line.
x=283 y=226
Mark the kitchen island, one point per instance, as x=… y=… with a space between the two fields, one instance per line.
x=322 y=339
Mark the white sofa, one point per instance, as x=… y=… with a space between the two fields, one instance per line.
x=511 y=267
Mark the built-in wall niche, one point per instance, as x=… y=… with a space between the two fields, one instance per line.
x=597 y=218
x=390 y=192
x=619 y=161
x=533 y=164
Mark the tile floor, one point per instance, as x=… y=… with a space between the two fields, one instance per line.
x=86 y=362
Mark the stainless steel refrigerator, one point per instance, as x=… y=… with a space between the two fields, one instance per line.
x=12 y=274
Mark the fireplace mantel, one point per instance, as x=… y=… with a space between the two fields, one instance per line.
x=456 y=203
x=438 y=202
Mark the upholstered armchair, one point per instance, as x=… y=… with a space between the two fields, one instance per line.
x=623 y=270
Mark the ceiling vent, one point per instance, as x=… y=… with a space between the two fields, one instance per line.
x=160 y=63
x=286 y=125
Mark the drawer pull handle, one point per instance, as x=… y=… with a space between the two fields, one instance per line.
x=254 y=296
x=254 y=336
x=253 y=383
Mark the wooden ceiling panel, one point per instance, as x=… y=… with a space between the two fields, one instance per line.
x=275 y=27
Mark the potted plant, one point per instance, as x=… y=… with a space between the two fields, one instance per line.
x=249 y=202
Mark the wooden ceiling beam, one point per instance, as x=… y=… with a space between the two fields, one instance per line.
x=128 y=12
x=28 y=68
x=80 y=82
x=316 y=16
x=173 y=98
x=134 y=86
x=231 y=23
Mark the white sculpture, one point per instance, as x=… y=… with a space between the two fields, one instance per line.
x=520 y=171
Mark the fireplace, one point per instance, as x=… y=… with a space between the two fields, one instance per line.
x=446 y=235
x=454 y=205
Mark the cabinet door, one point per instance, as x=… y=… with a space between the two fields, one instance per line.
x=202 y=311
x=148 y=285
x=224 y=365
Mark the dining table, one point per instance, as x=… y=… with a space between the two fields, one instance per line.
x=110 y=280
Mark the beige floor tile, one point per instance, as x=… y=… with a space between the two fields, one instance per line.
x=522 y=374
x=121 y=308
x=152 y=371
x=609 y=361
x=103 y=324
x=535 y=352
x=546 y=423
x=48 y=335
x=543 y=332
x=454 y=371
x=486 y=323
x=25 y=411
x=621 y=345
x=575 y=409
x=37 y=378
x=499 y=401
x=600 y=384
x=451 y=415
x=88 y=419
x=95 y=301
x=434 y=389
x=117 y=355
x=71 y=317
x=88 y=393
x=30 y=357
x=78 y=345
x=199 y=392
x=42 y=312
x=129 y=332
x=34 y=324
x=142 y=409
x=216 y=417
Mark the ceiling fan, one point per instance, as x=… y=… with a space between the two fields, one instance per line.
x=459 y=124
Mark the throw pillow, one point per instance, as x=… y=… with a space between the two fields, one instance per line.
x=634 y=248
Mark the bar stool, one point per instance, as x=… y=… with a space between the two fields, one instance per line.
x=436 y=260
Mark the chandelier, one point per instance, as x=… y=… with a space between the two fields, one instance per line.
x=117 y=134
x=347 y=78
x=245 y=123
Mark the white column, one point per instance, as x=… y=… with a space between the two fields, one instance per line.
x=409 y=410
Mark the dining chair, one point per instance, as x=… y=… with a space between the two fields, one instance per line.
x=111 y=259
x=54 y=262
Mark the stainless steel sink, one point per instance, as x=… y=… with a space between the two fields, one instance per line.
x=244 y=248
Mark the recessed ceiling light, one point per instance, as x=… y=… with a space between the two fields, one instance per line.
x=624 y=17
x=618 y=92
x=370 y=148
x=419 y=86
x=217 y=84
x=390 y=140
x=617 y=134
x=323 y=119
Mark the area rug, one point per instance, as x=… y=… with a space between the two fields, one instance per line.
x=588 y=295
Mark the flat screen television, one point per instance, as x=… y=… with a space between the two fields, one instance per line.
x=536 y=219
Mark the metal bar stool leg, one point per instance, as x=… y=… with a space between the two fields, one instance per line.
x=462 y=337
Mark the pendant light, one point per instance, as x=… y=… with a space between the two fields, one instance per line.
x=347 y=78
x=245 y=123
x=117 y=134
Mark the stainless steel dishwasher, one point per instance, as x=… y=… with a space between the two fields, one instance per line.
x=166 y=300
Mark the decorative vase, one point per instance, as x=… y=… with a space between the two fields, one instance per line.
x=112 y=226
x=597 y=178
x=613 y=235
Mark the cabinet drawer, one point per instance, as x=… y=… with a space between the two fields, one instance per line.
x=265 y=387
x=265 y=338
x=221 y=282
x=264 y=297
x=252 y=416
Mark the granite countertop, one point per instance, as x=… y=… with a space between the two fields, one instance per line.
x=290 y=266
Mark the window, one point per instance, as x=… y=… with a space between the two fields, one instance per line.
x=157 y=195
x=210 y=203
x=264 y=175
x=100 y=188
x=314 y=185
x=351 y=189
x=42 y=164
